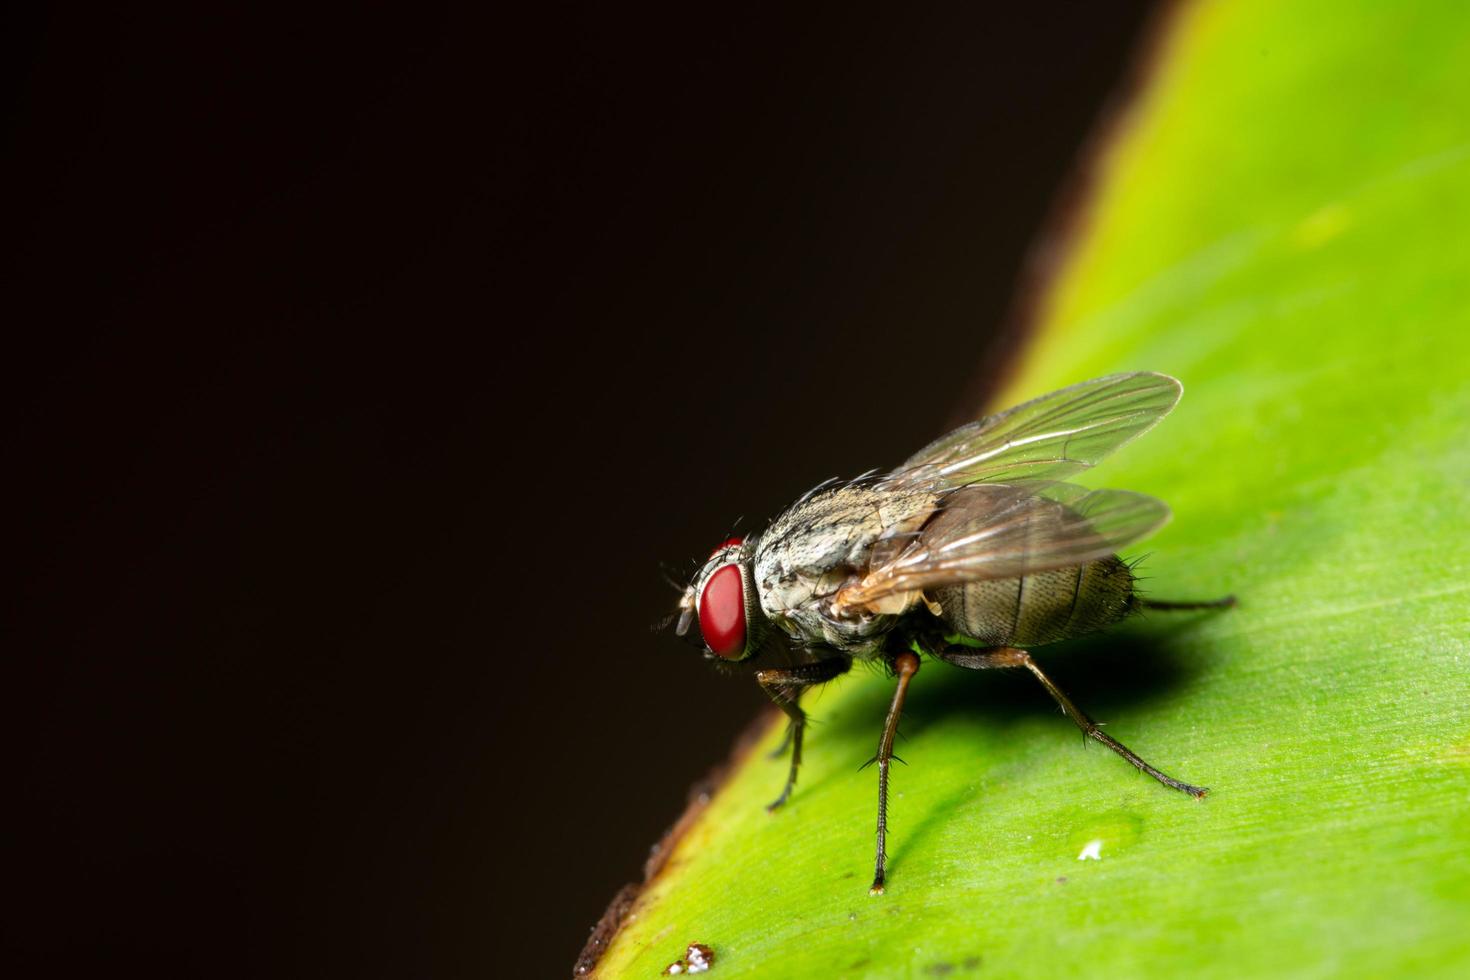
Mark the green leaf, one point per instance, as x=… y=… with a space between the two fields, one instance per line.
x=1283 y=222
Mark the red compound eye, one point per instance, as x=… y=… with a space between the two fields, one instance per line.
x=727 y=543
x=722 y=612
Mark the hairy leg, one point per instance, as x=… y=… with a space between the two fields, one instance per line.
x=1015 y=657
x=905 y=665
x=1163 y=604
x=784 y=687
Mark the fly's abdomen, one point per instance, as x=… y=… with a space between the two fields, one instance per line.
x=1040 y=608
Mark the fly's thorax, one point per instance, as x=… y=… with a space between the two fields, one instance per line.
x=808 y=626
x=1043 y=607
x=822 y=543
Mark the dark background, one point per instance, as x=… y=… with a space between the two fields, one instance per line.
x=361 y=366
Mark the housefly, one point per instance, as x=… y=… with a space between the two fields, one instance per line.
x=972 y=552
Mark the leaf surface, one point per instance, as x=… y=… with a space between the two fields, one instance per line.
x=1282 y=221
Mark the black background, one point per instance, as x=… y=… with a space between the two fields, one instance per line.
x=361 y=367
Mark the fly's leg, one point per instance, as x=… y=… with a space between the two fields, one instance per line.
x=1013 y=657
x=1161 y=604
x=780 y=750
x=784 y=687
x=905 y=665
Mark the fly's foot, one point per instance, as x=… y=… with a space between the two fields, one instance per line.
x=877 y=888
x=1198 y=792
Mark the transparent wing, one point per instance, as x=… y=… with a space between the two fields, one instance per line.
x=1047 y=438
x=995 y=532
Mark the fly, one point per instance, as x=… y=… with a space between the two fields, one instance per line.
x=972 y=552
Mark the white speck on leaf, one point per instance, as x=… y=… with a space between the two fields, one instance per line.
x=1092 y=851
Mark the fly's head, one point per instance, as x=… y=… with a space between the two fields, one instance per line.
x=723 y=600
